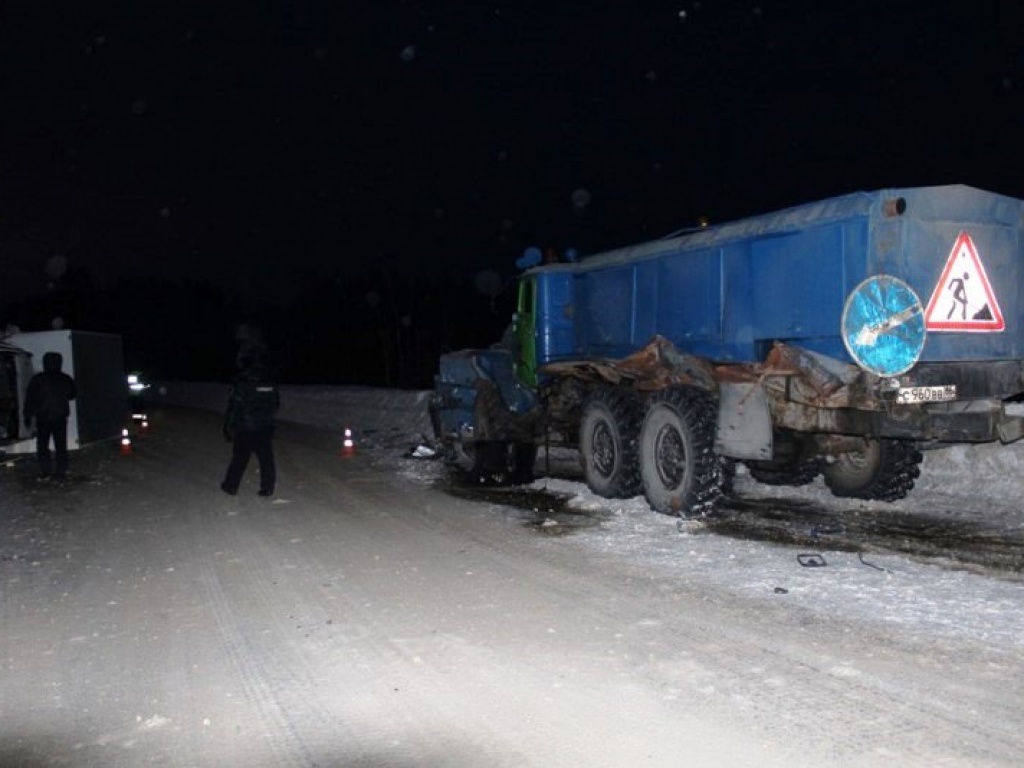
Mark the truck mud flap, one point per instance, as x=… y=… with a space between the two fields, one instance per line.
x=744 y=421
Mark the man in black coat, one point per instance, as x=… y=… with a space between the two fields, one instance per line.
x=47 y=400
x=249 y=424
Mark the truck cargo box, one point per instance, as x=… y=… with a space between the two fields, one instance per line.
x=728 y=293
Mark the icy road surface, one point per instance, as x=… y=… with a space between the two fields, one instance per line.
x=367 y=617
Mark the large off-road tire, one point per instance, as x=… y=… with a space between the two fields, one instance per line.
x=791 y=464
x=504 y=463
x=884 y=471
x=792 y=473
x=728 y=471
x=609 y=432
x=680 y=471
x=491 y=419
x=502 y=453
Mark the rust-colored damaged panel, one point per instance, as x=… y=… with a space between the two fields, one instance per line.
x=658 y=365
x=786 y=359
x=586 y=370
x=737 y=373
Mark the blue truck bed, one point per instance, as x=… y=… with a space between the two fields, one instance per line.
x=729 y=292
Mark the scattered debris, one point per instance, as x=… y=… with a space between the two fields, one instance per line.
x=860 y=556
x=809 y=560
x=421 y=451
x=691 y=525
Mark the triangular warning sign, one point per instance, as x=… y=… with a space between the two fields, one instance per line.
x=963 y=299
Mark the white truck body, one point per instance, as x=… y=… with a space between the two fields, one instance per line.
x=96 y=362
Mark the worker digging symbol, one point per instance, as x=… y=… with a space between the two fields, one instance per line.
x=963 y=299
x=959 y=296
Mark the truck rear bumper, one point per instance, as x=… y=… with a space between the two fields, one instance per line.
x=869 y=406
x=977 y=421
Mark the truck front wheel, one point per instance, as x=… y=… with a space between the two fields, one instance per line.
x=504 y=463
x=680 y=472
x=884 y=471
x=608 y=444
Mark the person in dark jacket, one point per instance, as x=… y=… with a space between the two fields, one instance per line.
x=47 y=401
x=249 y=424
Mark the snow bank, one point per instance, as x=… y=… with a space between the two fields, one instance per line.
x=362 y=409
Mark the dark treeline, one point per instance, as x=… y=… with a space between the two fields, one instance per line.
x=373 y=329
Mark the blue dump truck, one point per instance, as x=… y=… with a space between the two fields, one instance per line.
x=839 y=338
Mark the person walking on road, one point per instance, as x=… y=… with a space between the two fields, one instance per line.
x=253 y=402
x=48 y=401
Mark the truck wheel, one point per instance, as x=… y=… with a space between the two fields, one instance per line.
x=504 y=463
x=490 y=417
x=680 y=472
x=524 y=457
x=608 y=444
x=792 y=463
x=728 y=467
x=796 y=473
x=496 y=458
x=884 y=471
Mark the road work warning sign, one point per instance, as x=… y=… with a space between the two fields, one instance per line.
x=963 y=299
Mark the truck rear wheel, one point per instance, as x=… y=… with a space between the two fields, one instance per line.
x=792 y=463
x=884 y=471
x=681 y=474
x=778 y=473
x=608 y=444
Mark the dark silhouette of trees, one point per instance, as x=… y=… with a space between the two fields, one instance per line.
x=384 y=326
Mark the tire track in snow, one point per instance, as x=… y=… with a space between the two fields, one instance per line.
x=352 y=667
x=166 y=463
x=256 y=669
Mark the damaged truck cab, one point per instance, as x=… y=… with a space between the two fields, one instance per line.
x=839 y=338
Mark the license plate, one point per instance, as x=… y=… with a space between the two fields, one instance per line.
x=910 y=395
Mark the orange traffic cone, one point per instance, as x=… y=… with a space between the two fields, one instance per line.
x=126 y=442
x=348 y=446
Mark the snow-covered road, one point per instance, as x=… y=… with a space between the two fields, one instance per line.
x=368 y=617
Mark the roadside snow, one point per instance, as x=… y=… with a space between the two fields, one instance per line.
x=372 y=414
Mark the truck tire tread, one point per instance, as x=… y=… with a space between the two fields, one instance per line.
x=498 y=458
x=886 y=471
x=797 y=474
x=612 y=418
x=694 y=413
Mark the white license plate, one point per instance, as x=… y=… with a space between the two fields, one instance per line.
x=909 y=395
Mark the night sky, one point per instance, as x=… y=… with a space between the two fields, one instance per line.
x=268 y=147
